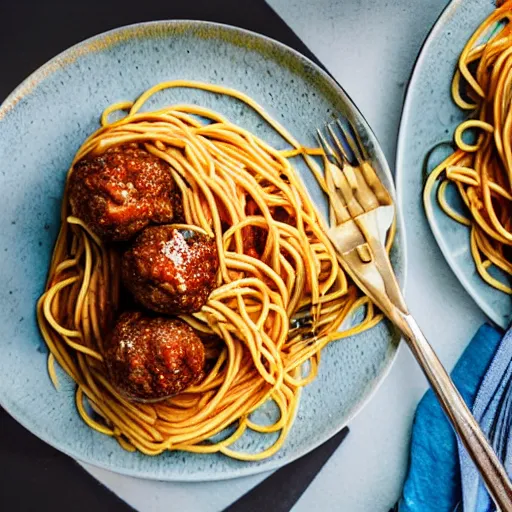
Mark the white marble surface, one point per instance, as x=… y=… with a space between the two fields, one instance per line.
x=370 y=48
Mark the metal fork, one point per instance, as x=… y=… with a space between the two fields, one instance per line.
x=361 y=214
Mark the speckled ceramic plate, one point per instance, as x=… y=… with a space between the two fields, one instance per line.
x=42 y=124
x=429 y=118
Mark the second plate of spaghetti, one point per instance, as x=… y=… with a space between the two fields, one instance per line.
x=455 y=138
x=193 y=322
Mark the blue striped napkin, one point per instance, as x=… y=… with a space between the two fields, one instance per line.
x=441 y=475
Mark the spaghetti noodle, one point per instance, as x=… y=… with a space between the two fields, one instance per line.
x=272 y=315
x=482 y=172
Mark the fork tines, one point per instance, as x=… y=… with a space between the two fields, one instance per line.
x=361 y=213
x=352 y=184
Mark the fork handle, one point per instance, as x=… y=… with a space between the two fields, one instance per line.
x=494 y=475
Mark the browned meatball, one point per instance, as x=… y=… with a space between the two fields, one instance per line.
x=170 y=270
x=150 y=359
x=121 y=191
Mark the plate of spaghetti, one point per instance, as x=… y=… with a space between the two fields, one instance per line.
x=172 y=307
x=464 y=140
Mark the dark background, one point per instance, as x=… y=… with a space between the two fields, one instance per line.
x=34 y=31
x=34 y=476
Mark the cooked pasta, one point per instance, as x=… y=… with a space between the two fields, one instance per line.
x=269 y=316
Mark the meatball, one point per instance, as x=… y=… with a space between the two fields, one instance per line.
x=169 y=270
x=121 y=191
x=153 y=358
